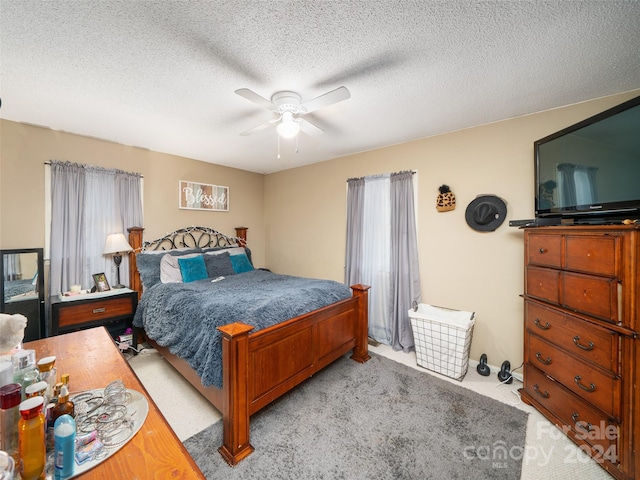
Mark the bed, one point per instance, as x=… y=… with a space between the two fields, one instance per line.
x=258 y=364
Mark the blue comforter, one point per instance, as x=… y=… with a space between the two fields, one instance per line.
x=184 y=316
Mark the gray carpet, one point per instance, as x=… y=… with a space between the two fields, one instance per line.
x=380 y=420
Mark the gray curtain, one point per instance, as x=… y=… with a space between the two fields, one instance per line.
x=405 y=269
x=397 y=274
x=83 y=216
x=355 y=217
x=67 y=225
x=129 y=200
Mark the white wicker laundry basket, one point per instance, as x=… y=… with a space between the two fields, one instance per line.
x=443 y=339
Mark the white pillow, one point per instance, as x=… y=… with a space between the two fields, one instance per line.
x=170 y=268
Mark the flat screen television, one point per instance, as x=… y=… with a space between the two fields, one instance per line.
x=590 y=172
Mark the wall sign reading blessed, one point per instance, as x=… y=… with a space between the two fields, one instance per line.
x=202 y=196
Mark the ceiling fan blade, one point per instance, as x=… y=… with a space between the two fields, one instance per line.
x=329 y=98
x=255 y=98
x=258 y=128
x=309 y=128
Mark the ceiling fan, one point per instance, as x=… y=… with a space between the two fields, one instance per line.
x=288 y=110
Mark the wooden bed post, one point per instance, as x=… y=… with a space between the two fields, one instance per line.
x=361 y=350
x=235 y=385
x=135 y=240
x=241 y=233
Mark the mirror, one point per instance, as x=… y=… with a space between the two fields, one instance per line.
x=22 y=288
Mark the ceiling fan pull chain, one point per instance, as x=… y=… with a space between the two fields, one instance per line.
x=278 y=157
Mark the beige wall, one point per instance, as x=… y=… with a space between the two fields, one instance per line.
x=24 y=150
x=305 y=215
x=296 y=218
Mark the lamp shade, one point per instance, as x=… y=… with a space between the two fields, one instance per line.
x=289 y=127
x=116 y=243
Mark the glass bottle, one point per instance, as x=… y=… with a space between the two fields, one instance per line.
x=65 y=380
x=64 y=405
x=10 y=397
x=64 y=432
x=24 y=368
x=48 y=372
x=31 y=439
x=56 y=392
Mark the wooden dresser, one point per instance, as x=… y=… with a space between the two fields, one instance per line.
x=581 y=346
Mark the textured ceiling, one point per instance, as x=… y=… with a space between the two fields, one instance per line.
x=162 y=74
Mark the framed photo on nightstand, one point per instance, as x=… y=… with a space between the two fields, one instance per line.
x=101 y=282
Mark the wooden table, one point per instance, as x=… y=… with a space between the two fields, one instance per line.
x=92 y=361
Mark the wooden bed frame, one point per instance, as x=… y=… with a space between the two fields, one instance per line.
x=261 y=366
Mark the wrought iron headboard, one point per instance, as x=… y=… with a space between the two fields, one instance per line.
x=202 y=237
x=192 y=237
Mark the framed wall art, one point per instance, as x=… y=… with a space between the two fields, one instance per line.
x=203 y=196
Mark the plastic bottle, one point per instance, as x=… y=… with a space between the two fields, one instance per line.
x=10 y=396
x=31 y=439
x=41 y=389
x=6 y=373
x=64 y=431
x=37 y=389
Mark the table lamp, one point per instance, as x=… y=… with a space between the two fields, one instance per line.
x=116 y=245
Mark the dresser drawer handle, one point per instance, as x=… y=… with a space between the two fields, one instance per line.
x=591 y=388
x=543 y=250
x=542 y=360
x=546 y=325
x=587 y=347
x=99 y=310
x=544 y=394
x=582 y=424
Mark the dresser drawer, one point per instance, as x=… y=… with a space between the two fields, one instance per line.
x=597 y=255
x=588 y=382
x=597 y=296
x=544 y=250
x=594 y=344
x=588 y=423
x=76 y=314
x=543 y=283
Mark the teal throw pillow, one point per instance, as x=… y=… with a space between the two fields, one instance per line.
x=192 y=268
x=241 y=263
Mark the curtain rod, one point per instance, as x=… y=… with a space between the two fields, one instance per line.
x=413 y=172
x=141 y=176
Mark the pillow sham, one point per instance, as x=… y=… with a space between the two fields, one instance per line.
x=232 y=251
x=241 y=263
x=149 y=264
x=170 y=268
x=192 y=268
x=219 y=265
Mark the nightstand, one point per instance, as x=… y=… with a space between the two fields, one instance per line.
x=113 y=309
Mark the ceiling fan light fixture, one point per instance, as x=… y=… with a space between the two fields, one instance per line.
x=288 y=127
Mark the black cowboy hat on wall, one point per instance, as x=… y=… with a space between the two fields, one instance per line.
x=486 y=213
